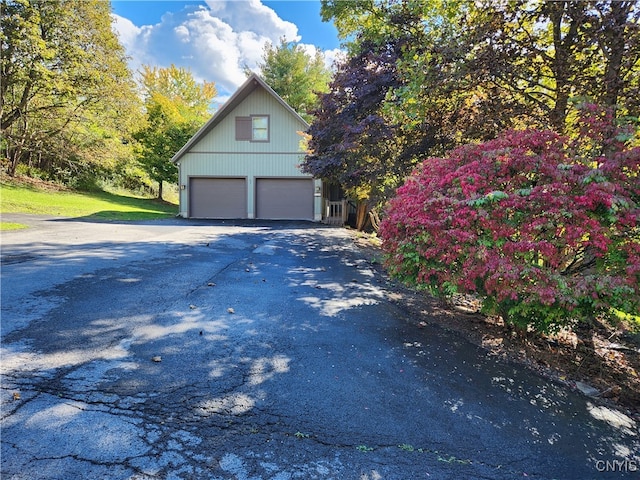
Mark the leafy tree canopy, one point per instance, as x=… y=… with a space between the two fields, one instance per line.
x=477 y=67
x=176 y=107
x=351 y=143
x=67 y=99
x=178 y=87
x=296 y=75
x=466 y=71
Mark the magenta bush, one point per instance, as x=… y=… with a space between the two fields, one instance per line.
x=546 y=230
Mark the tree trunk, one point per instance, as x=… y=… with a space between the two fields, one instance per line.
x=362 y=215
x=614 y=49
x=160 y=190
x=14 y=159
x=15 y=146
x=374 y=218
x=563 y=43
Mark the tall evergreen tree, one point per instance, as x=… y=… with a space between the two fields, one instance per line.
x=296 y=75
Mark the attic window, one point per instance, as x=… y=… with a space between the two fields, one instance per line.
x=260 y=129
x=254 y=128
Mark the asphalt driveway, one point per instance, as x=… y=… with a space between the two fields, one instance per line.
x=195 y=350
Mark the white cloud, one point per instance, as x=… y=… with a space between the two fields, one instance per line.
x=329 y=56
x=182 y=33
x=255 y=17
x=333 y=56
x=126 y=30
x=215 y=41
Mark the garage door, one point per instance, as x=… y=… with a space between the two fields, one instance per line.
x=284 y=198
x=217 y=198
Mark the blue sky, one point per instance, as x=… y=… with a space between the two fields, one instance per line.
x=216 y=39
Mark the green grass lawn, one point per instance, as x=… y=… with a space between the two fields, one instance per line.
x=11 y=226
x=16 y=197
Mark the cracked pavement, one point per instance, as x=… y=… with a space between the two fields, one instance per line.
x=121 y=360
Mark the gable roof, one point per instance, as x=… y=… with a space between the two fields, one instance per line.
x=252 y=83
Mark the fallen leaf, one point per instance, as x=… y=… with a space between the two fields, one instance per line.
x=16 y=396
x=612 y=392
x=157 y=358
x=231 y=310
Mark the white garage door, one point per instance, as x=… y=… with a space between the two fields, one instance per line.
x=217 y=197
x=284 y=198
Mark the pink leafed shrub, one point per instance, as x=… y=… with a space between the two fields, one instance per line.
x=545 y=230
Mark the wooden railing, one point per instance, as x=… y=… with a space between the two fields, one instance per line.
x=335 y=212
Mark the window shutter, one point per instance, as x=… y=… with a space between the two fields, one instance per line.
x=243 y=128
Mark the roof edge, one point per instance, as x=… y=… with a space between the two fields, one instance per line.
x=227 y=107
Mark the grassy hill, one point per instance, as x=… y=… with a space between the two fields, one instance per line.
x=22 y=195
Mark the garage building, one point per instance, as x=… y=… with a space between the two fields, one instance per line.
x=244 y=162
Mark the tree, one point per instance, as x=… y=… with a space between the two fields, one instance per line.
x=546 y=230
x=176 y=107
x=550 y=52
x=357 y=138
x=350 y=142
x=67 y=98
x=294 y=74
x=475 y=68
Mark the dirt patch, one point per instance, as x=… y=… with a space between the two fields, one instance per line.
x=600 y=360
